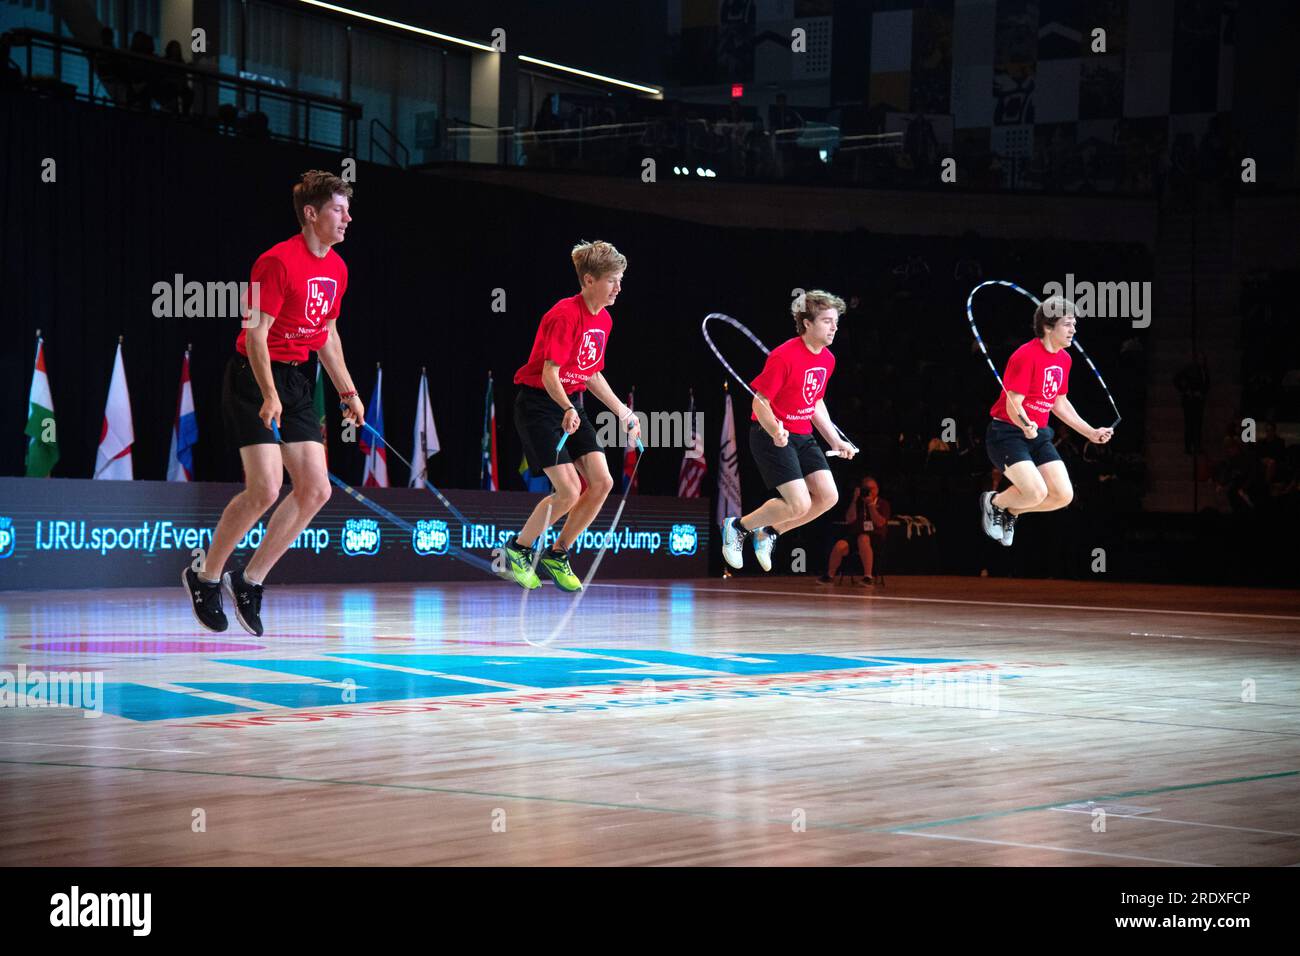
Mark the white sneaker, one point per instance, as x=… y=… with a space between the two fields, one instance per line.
x=989 y=516
x=733 y=543
x=763 y=550
x=1008 y=521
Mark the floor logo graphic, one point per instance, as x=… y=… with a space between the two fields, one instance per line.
x=604 y=677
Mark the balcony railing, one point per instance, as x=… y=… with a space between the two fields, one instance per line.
x=62 y=66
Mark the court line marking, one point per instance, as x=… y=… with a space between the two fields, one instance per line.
x=903 y=828
x=1057 y=849
x=834 y=695
x=143 y=750
x=880 y=597
x=1186 y=823
x=1173 y=788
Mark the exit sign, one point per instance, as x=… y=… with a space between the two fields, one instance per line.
x=737 y=90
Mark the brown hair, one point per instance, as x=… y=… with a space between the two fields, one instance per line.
x=807 y=304
x=1049 y=311
x=597 y=258
x=315 y=189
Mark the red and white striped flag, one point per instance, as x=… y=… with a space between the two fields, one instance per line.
x=117 y=435
x=694 y=468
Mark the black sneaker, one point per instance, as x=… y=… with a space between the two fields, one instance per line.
x=248 y=601
x=205 y=598
x=867 y=581
x=825 y=579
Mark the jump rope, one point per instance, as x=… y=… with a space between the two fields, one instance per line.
x=591 y=572
x=473 y=559
x=721 y=317
x=970 y=317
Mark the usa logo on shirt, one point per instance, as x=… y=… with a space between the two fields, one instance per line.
x=1053 y=378
x=321 y=293
x=592 y=348
x=814 y=381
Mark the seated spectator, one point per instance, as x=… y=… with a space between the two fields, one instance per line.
x=868 y=523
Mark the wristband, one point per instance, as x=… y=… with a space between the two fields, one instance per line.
x=569 y=409
x=346 y=395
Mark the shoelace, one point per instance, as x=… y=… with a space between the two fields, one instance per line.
x=250 y=597
x=208 y=595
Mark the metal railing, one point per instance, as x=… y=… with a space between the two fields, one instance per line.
x=395 y=145
x=62 y=66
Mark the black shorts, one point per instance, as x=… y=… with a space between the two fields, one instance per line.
x=799 y=458
x=540 y=423
x=1007 y=445
x=241 y=400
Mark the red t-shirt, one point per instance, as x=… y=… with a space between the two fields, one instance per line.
x=303 y=292
x=572 y=338
x=1037 y=374
x=792 y=381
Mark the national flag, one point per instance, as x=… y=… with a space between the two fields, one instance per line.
x=185 y=430
x=691 y=478
x=117 y=434
x=376 y=473
x=629 y=456
x=533 y=481
x=41 y=454
x=489 y=477
x=728 y=468
x=426 y=435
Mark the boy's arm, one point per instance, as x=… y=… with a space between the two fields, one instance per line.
x=331 y=359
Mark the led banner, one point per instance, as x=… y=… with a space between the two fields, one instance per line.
x=77 y=533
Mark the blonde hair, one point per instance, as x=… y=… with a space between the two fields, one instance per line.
x=807 y=304
x=597 y=258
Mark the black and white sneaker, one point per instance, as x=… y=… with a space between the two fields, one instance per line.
x=247 y=599
x=990 y=516
x=205 y=599
x=1008 y=521
x=733 y=543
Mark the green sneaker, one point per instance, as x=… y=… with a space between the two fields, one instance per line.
x=560 y=570
x=521 y=567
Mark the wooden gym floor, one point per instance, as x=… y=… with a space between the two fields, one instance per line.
x=937 y=721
